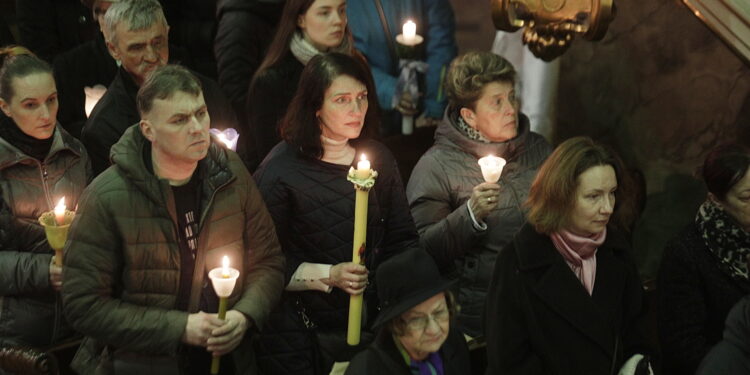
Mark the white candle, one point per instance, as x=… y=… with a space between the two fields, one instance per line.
x=60 y=212
x=409 y=31
x=224 y=278
x=492 y=168
x=363 y=167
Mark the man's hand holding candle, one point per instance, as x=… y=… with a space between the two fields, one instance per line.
x=225 y=338
x=199 y=327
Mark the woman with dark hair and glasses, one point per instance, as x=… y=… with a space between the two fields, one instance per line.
x=415 y=322
x=565 y=297
x=303 y=182
x=704 y=271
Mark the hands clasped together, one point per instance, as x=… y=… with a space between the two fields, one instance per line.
x=218 y=336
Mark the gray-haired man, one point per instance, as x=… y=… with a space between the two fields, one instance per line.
x=136 y=32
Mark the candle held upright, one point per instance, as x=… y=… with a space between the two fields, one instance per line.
x=408 y=39
x=223 y=279
x=56 y=224
x=363 y=179
x=492 y=167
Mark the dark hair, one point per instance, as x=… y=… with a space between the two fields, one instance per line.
x=397 y=325
x=471 y=72
x=553 y=193
x=18 y=62
x=163 y=83
x=286 y=28
x=725 y=166
x=300 y=126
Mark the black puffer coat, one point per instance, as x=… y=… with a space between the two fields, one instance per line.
x=441 y=184
x=312 y=205
x=117 y=111
x=29 y=312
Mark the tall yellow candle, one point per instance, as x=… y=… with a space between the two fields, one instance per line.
x=363 y=179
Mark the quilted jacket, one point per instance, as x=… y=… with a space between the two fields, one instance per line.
x=122 y=259
x=439 y=187
x=29 y=312
x=312 y=204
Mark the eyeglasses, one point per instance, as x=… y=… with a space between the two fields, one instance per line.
x=421 y=322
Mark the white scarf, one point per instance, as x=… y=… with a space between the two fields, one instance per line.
x=304 y=51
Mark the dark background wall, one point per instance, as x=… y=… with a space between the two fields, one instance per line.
x=662 y=89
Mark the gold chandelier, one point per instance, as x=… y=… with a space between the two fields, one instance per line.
x=550 y=25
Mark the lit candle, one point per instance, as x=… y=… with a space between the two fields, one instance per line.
x=223 y=279
x=225 y=267
x=228 y=137
x=492 y=168
x=364 y=179
x=60 y=212
x=410 y=32
x=363 y=167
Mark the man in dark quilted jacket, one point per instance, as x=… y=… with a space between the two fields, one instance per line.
x=148 y=230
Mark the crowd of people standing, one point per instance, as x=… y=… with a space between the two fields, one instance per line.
x=529 y=273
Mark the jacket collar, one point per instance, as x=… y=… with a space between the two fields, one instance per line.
x=62 y=142
x=127 y=155
x=447 y=134
x=553 y=282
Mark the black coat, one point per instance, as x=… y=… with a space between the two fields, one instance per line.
x=117 y=111
x=312 y=205
x=694 y=298
x=245 y=29
x=383 y=357
x=268 y=98
x=89 y=64
x=50 y=27
x=541 y=320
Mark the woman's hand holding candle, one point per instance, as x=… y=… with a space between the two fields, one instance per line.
x=348 y=276
x=55 y=275
x=484 y=198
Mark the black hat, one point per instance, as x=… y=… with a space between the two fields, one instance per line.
x=406 y=280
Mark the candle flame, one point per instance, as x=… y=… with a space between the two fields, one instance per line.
x=363 y=157
x=224 y=140
x=225 y=267
x=60 y=208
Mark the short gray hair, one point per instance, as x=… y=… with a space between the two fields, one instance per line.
x=162 y=83
x=139 y=14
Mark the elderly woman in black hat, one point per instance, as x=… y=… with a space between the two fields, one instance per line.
x=414 y=322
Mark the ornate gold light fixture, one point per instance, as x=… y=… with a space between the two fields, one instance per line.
x=550 y=25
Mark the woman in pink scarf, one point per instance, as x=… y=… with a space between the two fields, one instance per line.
x=565 y=296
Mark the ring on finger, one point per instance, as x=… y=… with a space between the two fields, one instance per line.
x=351 y=284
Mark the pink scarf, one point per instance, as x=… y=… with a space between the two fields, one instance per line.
x=580 y=254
